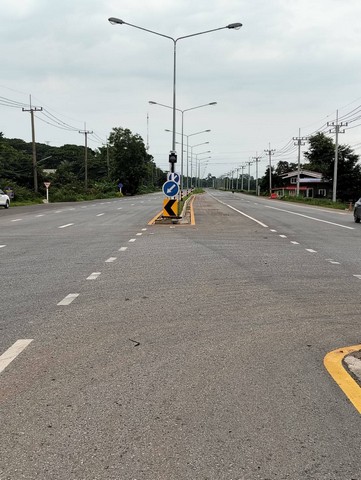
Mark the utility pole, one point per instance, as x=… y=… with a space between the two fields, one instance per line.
x=242 y=167
x=257 y=159
x=35 y=169
x=249 y=174
x=85 y=132
x=107 y=145
x=270 y=152
x=336 y=131
x=237 y=178
x=299 y=141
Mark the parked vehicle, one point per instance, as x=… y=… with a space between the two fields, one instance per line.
x=4 y=200
x=357 y=211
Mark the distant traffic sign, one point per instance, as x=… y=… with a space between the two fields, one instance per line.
x=46 y=184
x=173 y=176
x=170 y=188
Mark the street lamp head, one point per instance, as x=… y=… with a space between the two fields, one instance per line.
x=207 y=131
x=152 y=103
x=234 y=26
x=116 y=21
x=167 y=130
x=212 y=103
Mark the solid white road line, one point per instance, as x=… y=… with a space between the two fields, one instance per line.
x=110 y=260
x=245 y=215
x=122 y=249
x=310 y=218
x=67 y=225
x=12 y=352
x=69 y=298
x=93 y=276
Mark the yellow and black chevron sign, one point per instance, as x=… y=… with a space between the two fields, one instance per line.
x=170 y=208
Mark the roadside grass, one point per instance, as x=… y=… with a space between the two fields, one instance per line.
x=195 y=191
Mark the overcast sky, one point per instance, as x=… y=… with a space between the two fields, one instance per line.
x=291 y=66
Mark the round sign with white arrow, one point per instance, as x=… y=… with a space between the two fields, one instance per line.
x=170 y=188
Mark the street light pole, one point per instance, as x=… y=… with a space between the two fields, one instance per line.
x=182 y=112
x=232 y=26
x=193 y=146
x=190 y=135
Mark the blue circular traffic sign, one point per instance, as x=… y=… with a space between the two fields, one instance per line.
x=170 y=188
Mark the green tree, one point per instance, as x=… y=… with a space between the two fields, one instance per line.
x=129 y=160
x=321 y=158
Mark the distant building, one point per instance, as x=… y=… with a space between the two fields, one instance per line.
x=312 y=185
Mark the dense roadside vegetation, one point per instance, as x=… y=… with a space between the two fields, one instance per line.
x=124 y=161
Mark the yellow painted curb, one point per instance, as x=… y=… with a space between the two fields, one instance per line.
x=193 y=218
x=334 y=366
x=152 y=222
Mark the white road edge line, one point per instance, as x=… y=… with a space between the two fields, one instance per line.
x=68 y=299
x=310 y=218
x=12 y=352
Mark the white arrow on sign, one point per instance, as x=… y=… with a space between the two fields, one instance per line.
x=170 y=189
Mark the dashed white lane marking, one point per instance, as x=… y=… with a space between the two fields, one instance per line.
x=144 y=229
x=2 y=246
x=67 y=225
x=132 y=240
x=274 y=231
x=120 y=208
x=310 y=250
x=100 y=214
x=41 y=215
x=110 y=259
x=122 y=249
x=94 y=276
x=283 y=236
x=58 y=211
x=12 y=352
x=138 y=234
x=357 y=276
x=17 y=220
x=69 y=298
x=294 y=243
x=334 y=263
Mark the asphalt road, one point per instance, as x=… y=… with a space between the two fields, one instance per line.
x=183 y=352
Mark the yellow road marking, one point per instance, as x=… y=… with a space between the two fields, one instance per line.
x=152 y=222
x=334 y=366
x=193 y=218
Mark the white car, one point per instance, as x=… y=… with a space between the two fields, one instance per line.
x=4 y=200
